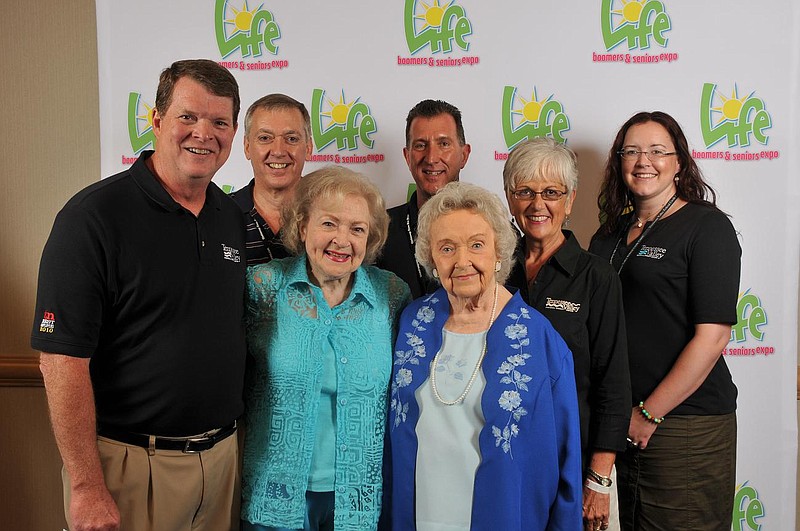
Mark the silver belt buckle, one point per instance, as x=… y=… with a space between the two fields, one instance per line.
x=193 y=440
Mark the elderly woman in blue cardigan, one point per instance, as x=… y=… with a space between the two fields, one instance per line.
x=484 y=429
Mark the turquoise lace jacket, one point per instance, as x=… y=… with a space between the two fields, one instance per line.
x=288 y=322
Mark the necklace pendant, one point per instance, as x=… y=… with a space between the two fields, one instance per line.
x=639 y=225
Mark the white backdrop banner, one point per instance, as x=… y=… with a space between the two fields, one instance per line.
x=728 y=71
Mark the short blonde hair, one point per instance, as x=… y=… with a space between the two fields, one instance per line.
x=541 y=159
x=464 y=196
x=335 y=182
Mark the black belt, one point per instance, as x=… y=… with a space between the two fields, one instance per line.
x=187 y=445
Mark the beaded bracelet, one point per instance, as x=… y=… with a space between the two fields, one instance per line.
x=646 y=414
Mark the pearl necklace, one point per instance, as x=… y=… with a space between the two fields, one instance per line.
x=472 y=378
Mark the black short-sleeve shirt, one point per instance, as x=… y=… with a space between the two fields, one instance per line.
x=154 y=296
x=684 y=272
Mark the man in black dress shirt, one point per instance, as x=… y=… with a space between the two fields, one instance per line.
x=277 y=142
x=436 y=151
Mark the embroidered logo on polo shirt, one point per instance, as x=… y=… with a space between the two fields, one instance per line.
x=229 y=253
x=656 y=253
x=567 y=306
x=48 y=323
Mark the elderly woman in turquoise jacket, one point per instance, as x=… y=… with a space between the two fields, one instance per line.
x=484 y=425
x=320 y=333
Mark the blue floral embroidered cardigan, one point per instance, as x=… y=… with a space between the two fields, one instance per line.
x=529 y=477
x=287 y=326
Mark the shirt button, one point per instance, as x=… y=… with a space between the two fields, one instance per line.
x=343 y=447
x=343 y=401
x=344 y=359
x=341 y=489
x=327 y=321
x=203 y=243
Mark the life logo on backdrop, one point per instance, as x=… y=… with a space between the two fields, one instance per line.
x=749 y=332
x=439 y=27
x=638 y=25
x=525 y=118
x=740 y=120
x=348 y=124
x=140 y=127
x=747 y=509
x=250 y=32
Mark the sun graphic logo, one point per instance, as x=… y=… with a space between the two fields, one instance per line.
x=734 y=118
x=140 y=123
x=634 y=21
x=532 y=118
x=240 y=28
x=747 y=509
x=342 y=122
x=437 y=25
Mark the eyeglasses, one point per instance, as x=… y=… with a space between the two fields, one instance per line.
x=548 y=194
x=653 y=154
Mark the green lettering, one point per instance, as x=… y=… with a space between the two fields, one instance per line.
x=148 y=137
x=366 y=128
x=415 y=42
x=265 y=34
x=752 y=119
x=751 y=105
x=758 y=318
x=751 y=316
x=560 y=124
x=441 y=39
x=746 y=509
x=263 y=30
x=755 y=509
x=661 y=25
x=350 y=132
x=462 y=29
x=761 y=121
x=611 y=38
x=711 y=134
x=359 y=124
x=638 y=35
x=321 y=138
x=510 y=135
x=552 y=121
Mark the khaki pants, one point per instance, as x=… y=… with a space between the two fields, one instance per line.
x=170 y=490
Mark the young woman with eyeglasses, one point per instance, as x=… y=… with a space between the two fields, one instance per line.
x=678 y=258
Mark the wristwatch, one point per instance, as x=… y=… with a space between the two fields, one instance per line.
x=602 y=480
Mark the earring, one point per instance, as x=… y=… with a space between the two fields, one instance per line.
x=497 y=266
x=566 y=221
x=435 y=273
x=676 y=179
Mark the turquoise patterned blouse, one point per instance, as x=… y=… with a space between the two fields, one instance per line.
x=288 y=324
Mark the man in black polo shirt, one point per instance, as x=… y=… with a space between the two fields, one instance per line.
x=436 y=151
x=277 y=142
x=139 y=319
